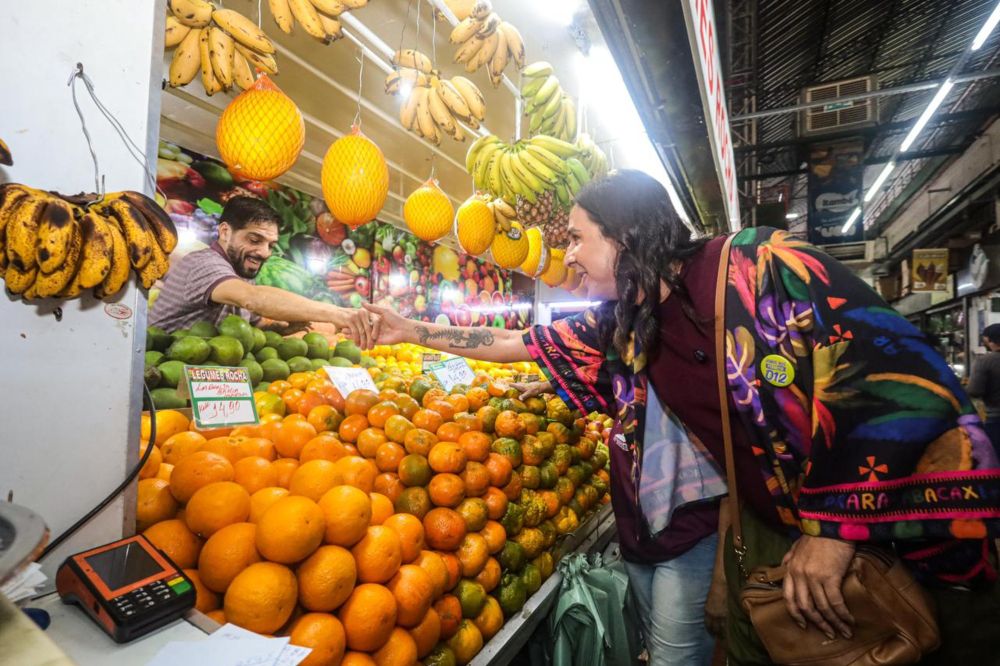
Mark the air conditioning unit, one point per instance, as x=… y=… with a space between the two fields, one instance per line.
x=836 y=116
x=856 y=254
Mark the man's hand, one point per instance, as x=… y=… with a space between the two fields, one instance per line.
x=531 y=389
x=358 y=324
x=288 y=328
x=815 y=570
x=390 y=327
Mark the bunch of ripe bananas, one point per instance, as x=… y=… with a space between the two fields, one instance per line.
x=527 y=168
x=57 y=246
x=434 y=106
x=503 y=213
x=224 y=45
x=549 y=109
x=487 y=40
x=319 y=18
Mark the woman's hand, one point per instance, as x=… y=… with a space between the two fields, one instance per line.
x=815 y=570
x=390 y=328
x=531 y=389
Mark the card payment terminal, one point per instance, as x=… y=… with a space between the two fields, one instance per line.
x=128 y=587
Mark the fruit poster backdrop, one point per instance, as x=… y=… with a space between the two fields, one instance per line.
x=322 y=259
x=435 y=283
x=317 y=257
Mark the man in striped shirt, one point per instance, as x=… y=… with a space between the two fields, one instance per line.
x=210 y=284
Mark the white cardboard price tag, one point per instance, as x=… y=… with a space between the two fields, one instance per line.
x=347 y=380
x=453 y=371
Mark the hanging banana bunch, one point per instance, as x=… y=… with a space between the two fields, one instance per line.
x=434 y=106
x=526 y=169
x=55 y=246
x=485 y=39
x=592 y=156
x=548 y=108
x=224 y=46
x=319 y=18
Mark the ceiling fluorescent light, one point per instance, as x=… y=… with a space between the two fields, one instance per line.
x=572 y=305
x=939 y=96
x=791 y=216
x=879 y=182
x=560 y=11
x=850 y=221
x=984 y=32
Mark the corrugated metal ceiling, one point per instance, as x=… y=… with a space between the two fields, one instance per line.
x=805 y=42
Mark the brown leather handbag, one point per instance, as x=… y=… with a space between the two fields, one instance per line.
x=894 y=616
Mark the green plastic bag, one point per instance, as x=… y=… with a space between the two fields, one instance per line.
x=590 y=625
x=621 y=637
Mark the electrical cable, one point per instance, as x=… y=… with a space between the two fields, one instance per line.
x=55 y=543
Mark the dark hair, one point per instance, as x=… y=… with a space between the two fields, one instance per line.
x=992 y=333
x=634 y=210
x=241 y=211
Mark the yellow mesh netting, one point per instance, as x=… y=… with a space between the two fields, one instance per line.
x=428 y=212
x=260 y=133
x=355 y=179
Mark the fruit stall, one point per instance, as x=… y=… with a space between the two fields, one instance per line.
x=421 y=155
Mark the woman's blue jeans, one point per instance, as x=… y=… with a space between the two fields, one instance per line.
x=671 y=602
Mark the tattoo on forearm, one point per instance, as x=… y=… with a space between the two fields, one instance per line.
x=461 y=339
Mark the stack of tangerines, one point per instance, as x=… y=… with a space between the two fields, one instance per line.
x=381 y=528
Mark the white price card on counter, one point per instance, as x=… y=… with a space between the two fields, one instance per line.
x=220 y=397
x=452 y=371
x=347 y=380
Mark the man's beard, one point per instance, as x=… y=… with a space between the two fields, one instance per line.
x=238 y=260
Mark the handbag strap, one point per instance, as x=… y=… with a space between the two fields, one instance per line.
x=727 y=435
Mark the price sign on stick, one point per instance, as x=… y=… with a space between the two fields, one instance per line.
x=220 y=397
x=453 y=371
x=349 y=379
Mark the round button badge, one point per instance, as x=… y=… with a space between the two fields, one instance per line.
x=777 y=370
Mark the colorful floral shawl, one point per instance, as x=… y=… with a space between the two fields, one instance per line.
x=872 y=440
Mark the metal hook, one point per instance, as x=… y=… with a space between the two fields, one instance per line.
x=133 y=149
x=78 y=73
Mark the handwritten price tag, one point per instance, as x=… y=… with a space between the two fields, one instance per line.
x=226 y=411
x=347 y=380
x=428 y=360
x=220 y=397
x=453 y=371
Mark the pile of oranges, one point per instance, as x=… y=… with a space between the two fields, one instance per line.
x=381 y=528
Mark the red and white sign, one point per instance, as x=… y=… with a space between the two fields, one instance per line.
x=700 y=18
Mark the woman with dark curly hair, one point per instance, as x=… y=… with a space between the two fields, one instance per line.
x=833 y=400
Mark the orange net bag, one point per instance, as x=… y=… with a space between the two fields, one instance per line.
x=260 y=133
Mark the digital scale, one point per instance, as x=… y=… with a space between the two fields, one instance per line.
x=128 y=587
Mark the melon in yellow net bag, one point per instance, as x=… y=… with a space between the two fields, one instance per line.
x=261 y=132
